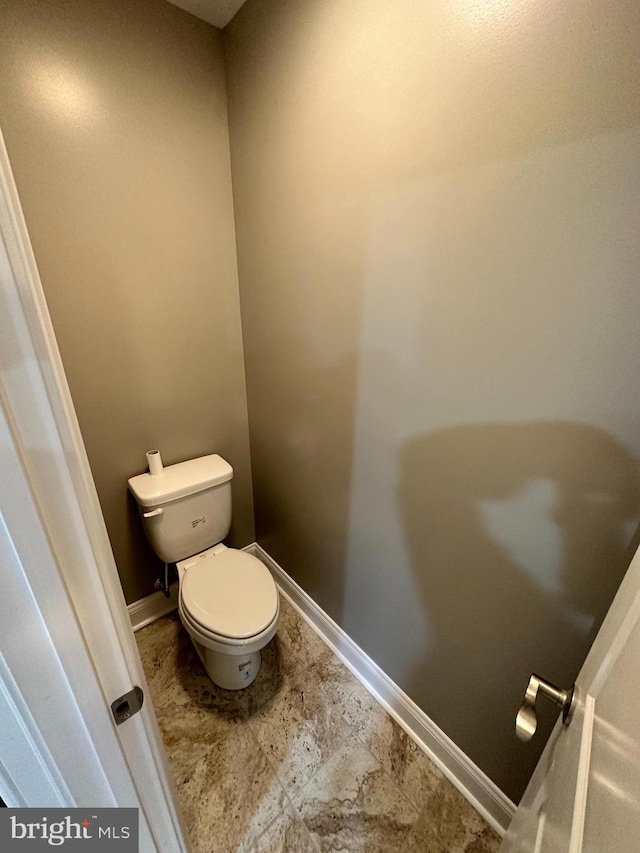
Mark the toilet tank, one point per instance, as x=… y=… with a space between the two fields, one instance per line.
x=187 y=507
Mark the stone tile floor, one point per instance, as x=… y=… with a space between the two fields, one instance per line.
x=303 y=761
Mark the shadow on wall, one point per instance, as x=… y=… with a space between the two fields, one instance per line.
x=465 y=495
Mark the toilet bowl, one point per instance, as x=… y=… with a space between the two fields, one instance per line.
x=229 y=604
x=228 y=601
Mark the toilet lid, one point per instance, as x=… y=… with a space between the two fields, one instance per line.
x=230 y=593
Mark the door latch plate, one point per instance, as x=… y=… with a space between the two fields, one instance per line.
x=127 y=705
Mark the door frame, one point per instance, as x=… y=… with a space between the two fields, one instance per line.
x=58 y=560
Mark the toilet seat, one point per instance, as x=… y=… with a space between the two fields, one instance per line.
x=228 y=645
x=229 y=597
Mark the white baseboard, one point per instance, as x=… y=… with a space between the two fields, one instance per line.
x=483 y=794
x=152 y=607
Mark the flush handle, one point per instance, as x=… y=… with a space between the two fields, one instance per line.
x=154 y=512
x=526 y=720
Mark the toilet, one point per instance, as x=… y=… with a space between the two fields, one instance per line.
x=227 y=601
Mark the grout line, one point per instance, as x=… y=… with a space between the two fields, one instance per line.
x=274 y=770
x=418 y=809
x=351 y=679
x=296 y=813
x=359 y=736
x=288 y=689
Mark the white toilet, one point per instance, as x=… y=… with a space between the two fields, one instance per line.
x=228 y=600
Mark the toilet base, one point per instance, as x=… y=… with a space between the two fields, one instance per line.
x=231 y=672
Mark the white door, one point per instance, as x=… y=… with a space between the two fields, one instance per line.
x=66 y=646
x=585 y=792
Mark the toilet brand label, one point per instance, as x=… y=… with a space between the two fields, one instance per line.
x=196 y=521
x=102 y=830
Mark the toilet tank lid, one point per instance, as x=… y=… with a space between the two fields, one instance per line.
x=177 y=481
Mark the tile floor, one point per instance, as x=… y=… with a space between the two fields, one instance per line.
x=303 y=760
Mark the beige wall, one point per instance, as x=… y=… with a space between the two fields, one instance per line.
x=437 y=217
x=114 y=115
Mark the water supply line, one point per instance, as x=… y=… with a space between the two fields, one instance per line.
x=164 y=586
